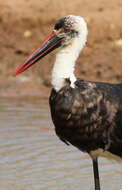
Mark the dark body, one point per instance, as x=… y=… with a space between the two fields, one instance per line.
x=89 y=116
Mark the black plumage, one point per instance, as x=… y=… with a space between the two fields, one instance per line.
x=89 y=116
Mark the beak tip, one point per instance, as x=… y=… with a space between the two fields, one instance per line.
x=15 y=74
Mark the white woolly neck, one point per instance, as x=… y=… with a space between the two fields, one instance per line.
x=66 y=59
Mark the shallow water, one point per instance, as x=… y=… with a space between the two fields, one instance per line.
x=33 y=158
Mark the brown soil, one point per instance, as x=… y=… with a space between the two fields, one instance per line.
x=24 y=24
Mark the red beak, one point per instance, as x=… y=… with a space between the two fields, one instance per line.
x=49 y=44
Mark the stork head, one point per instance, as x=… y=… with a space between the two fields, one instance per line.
x=66 y=30
x=69 y=28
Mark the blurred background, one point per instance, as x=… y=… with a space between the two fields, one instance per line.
x=24 y=24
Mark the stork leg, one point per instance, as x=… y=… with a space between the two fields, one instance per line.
x=96 y=174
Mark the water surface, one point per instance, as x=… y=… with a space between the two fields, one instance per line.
x=33 y=158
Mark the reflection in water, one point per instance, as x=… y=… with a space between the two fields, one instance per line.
x=33 y=158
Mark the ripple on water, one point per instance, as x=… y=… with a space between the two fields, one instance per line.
x=32 y=157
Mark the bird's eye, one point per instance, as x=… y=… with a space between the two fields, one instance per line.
x=66 y=30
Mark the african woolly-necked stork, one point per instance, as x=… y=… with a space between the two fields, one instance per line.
x=86 y=114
